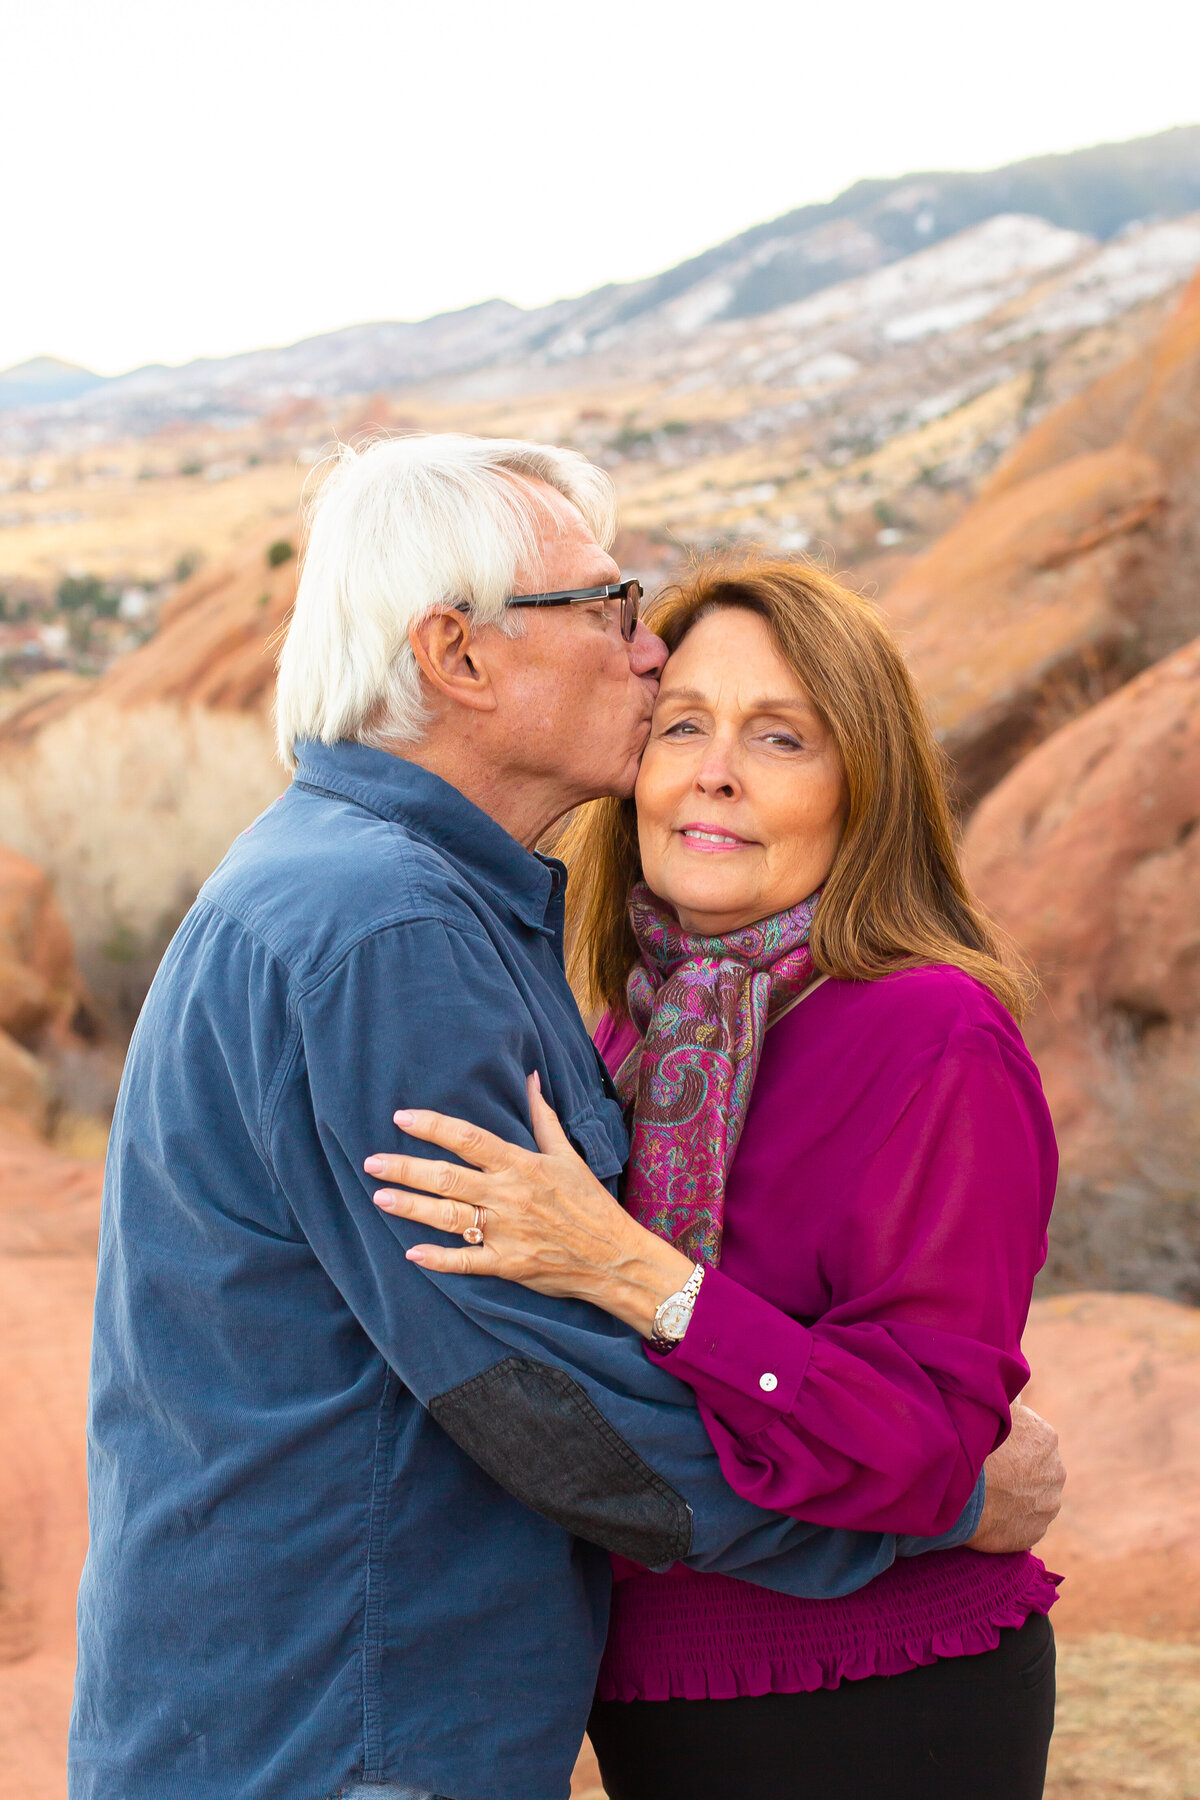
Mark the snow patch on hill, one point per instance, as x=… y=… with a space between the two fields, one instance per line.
x=1138 y=266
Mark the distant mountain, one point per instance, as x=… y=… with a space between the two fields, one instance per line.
x=1087 y=196
x=45 y=380
x=1096 y=191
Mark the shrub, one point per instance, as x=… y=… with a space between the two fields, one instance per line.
x=279 y=552
x=629 y=441
x=87 y=595
x=1134 y=1222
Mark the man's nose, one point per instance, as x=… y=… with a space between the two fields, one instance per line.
x=647 y=653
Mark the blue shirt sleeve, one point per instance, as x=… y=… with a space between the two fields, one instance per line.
x=553 y=1397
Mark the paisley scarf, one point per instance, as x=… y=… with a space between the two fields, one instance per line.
x=702 y=1006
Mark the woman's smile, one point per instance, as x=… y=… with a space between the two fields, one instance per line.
x=712 y=839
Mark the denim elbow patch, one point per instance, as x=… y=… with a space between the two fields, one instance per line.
x=536 y=1432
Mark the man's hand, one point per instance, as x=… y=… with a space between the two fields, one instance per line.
x=1024 y=1479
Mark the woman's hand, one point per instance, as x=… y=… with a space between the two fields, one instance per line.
x=548 y=1223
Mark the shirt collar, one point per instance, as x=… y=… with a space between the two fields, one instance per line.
x=433 y=810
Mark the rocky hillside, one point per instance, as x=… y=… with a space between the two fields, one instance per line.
x=1089 y=854
x=131 y=788
x=858 y=422
x=1066 y=575
x=842 y=379
x=1089 y=197
x=1073 y=569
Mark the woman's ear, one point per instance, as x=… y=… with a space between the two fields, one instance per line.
x=451 y=659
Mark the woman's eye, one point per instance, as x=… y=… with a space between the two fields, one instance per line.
x=680 y=728
x=783 y=739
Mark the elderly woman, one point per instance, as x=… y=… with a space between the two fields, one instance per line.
x=841 y=1173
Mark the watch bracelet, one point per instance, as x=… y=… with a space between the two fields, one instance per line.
x=657 y=1338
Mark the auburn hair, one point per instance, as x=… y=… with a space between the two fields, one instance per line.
x=895 y=897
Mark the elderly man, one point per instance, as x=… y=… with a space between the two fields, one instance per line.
x=349 y=1518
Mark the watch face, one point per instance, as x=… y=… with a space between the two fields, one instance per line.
x=673 y=1318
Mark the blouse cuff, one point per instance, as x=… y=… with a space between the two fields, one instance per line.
x=964 y=1527
x=740 y=1354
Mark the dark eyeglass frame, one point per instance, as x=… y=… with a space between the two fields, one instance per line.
x=629 y=593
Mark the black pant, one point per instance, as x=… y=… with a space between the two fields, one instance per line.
x=965 y=1728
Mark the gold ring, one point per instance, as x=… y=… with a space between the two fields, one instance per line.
x=473 y=1235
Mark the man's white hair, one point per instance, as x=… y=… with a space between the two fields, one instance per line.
x=400 y=528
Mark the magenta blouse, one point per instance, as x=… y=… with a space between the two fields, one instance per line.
x=855 y=1354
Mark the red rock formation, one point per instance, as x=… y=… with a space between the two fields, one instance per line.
x=1030 y=600
x=1075 y=566
x=24 y=1089
x=42 y=1000
x=48 y=1211
x=1093 y=420
x=215 y=643
x=1088 y=853
x=40 y=989
x=1119 y=1375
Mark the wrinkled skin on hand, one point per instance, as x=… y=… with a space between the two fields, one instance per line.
x=1025 y=1479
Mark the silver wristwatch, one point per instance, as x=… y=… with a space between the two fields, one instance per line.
x=675 y=1314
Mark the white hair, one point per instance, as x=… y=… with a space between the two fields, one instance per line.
x=400 y=528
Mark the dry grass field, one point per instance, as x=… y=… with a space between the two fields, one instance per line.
x=1128 y=1721
x=102 y=518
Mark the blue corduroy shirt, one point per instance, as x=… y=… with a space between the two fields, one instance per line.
x=349 y=1518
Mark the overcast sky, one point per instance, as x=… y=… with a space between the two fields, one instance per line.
x=184 y=178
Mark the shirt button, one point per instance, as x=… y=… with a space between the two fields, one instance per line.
x=768 y=1382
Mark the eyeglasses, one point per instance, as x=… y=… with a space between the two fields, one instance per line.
x=628 y=592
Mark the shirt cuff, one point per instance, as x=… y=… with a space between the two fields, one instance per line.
x=740 y=1354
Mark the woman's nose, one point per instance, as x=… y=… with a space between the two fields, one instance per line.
x=717 y=775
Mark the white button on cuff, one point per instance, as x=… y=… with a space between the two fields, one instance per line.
x=768 y=1382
